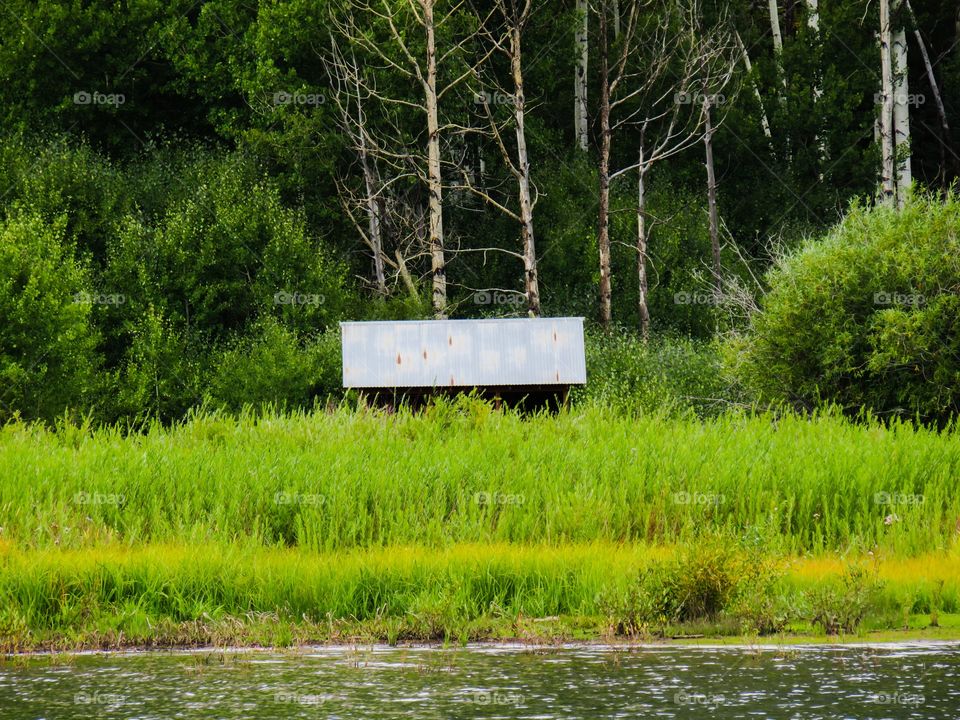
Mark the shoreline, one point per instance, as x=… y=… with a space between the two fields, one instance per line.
x=248 y=637
x=794 y=642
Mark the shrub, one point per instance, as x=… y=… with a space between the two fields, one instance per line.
x=161 y=372
x=712 y=578
x=47 y=341
x=272 y=366
x=666 y=373
x=841 y=606
x=867 y=317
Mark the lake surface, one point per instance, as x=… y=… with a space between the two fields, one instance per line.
x=803 y=683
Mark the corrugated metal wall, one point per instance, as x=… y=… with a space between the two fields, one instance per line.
x=463 y=353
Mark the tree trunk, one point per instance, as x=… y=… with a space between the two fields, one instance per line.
x=373 y=212
x=531 y=281
x=712 y=195
x=643 y=309
x=603 y=234
x=945 y=144
x=901 y=112
x=437 y=262
x=778 y=62
x=813 y=22
x=580 y=79
x=775 y=31
x=764 y=121
x=887 y=177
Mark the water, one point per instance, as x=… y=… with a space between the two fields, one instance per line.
x=803 y=683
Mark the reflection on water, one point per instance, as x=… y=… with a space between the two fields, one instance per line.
x=805 y=683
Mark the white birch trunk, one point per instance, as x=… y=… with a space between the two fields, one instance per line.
x=643 y=308
x=901 y=113
x=434 y=180
x=712 y=196
x=530 y=275
x=813 y=22
x=580 y=79
x=887 y=176
x=764 y=121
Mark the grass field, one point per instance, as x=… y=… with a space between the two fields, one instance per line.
x=354 y=479
x=466 y=523
x=221 y=595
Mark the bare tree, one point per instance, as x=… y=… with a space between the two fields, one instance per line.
x=506 y=39
x=666 y=66
x=609 y=81
x=349 y=98
x=401 y=22
x=945 y=142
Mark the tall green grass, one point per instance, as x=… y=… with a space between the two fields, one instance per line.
x=461 y=472
x=168 y=594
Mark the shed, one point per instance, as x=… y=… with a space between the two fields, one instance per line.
x=509 y=359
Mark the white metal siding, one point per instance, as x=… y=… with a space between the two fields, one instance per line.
x=463 y=353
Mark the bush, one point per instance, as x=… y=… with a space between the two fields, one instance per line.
x=841 y=606
x=666 y=373
x=47 y=341
x=272 y=366
x=713 y=577
x=161 y=373
x=868 y=317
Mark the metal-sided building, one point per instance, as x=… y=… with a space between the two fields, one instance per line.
x=509 y=359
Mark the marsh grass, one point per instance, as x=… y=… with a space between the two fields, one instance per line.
x=461 y=472
x=223 y=596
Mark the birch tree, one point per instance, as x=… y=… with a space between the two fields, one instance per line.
x=664 y=64
x=582 y=40
x=504 y=34
x=349 y=98
x=887 y=177
x=901 y=106
x=402 y=24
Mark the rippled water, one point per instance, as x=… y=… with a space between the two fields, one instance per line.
x=902 y=681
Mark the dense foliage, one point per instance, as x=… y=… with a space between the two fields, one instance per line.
x=869 y=316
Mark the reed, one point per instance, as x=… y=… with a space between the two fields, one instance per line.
x=170 y=594
x=464 y=473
